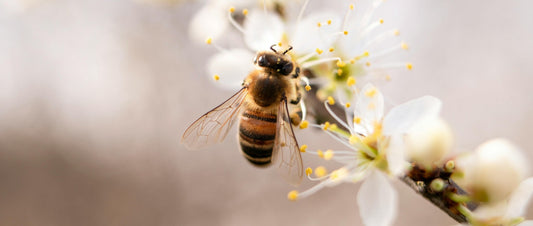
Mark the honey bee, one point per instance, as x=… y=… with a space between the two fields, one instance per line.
x=265 y=131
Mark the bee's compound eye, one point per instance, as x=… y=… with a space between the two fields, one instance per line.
x=286 y=69
x=262 y=61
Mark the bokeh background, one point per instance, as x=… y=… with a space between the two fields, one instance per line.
x=94 y=96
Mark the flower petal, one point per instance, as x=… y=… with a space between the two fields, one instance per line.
x=261 y=30
x=402 y=117
x=232 y=66
x=307 y=36
x=520 y=198
x=368 y=109
x=396 y=155
x=210 y=22
x=377 y=200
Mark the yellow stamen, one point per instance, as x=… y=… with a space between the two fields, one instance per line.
x=326 y=125
x=381 y=21
x=333 y=127
x=371 y=92
x=350 y=81
x=340 y=63
x=367 y=64
x=216 y=77
x=303 y=147
x=331 y=101
x=319 y=51
x=308 y=171
x=352 y=61
x=347 y=105
x=328 y=155
x=307 y=88
x=357 y=120
x=404 y=45
x=338 y=174
x=321 y=171
x=331 y=49
x=329 y=22
x=319 y=24
x=387 y=77
x=320 y=153
x=351 y=6
x=209 y=41
x=232 y=9
x=293 y=195
x=304 y=124
x=245 y=12
x=339 y=72
x=366 y=54
x=279 y=44
x=396 y=32
x=409 y=66
x=345 y=32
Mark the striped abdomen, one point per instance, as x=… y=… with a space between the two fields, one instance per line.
x=257 y=131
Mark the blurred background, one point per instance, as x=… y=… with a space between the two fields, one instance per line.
x=95 y=94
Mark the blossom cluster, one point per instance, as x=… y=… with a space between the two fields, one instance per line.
x=339 y=47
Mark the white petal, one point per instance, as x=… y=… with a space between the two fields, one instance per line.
x=306 y=37
x=520 y=198
x=261 y=30
x=377 y=200
x=402 y=117
x=396 y=155
x=209 y=22
x=369 y=107
x=232 y=66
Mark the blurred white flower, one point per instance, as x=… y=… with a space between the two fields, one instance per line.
x=375 y=149
x=428 y=142
x=495 y=176
x=334 y=48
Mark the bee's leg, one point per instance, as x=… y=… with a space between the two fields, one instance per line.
x=296 y=117
x=298 y=93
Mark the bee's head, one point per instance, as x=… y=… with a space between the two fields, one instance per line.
x=278 y=62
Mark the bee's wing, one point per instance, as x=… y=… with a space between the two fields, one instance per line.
x=213 y=126
x=286 y=152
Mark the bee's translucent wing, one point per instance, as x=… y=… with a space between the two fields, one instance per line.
x=213 y=126
x=286 y=152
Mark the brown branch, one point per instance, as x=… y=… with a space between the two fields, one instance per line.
x=419 y=180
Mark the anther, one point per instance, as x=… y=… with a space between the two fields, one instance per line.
x=409 y=66
x=350 y=81
x=293 y=195
x=331 y=101
x=303 y=148
x=308 y=171
x=321 y=171
x=404 y=45
x=304 y=124
x=216 y=77
x=328 y=155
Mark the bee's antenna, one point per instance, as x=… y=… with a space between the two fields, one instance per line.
x=286 y=51
x=272 y=48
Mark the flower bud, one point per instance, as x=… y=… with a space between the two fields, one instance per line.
x=494 y=171
x=429 y=141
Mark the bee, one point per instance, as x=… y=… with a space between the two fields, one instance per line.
x=265 y=134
